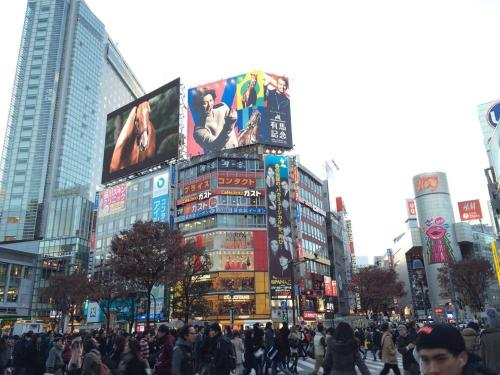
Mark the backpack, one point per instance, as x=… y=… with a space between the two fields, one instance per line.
x=228 y=352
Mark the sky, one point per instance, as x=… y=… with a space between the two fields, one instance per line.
x=388 y=89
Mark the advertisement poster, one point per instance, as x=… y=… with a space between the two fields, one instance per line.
x=470 y=210
x=112 y=200
x=159 y=200
x=278 y=225
x=234 y=112
x=143 y=133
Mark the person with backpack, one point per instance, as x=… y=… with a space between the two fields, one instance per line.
x=183 y=355
x=388 y=350
x=294 y=342
x=342 y=353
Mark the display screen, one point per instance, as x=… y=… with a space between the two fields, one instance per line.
x=143 y=133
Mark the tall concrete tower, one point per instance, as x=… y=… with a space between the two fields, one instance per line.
x=436 y=219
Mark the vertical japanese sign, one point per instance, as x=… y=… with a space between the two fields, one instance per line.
x=411 y=209
x=112 y=200
x=279 y=233
x=160 y=198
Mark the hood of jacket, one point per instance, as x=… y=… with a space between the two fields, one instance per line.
x=469 y=332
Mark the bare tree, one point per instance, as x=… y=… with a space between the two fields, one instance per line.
x=190 y=287
x=145 y=256
x=66 y=293
x=470 y=279
x=377 y=287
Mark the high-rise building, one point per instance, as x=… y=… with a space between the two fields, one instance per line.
x=69 y=76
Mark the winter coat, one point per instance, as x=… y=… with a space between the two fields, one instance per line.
x=388 y=349
x=490 y=344
x=408 y=358
x=269 y=338
x=183 y=358
x=130 y=365
x=239 y=348
x=164 y=361
x=319 y=345
x=4 y=358
x=55 y=363
x=92 y=363
x=471 y=338
x=341 y=358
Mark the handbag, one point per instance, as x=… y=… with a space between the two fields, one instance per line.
x=271 y=353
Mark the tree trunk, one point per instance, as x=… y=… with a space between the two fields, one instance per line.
x=148 y=308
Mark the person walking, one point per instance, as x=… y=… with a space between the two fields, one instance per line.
x=239 y=348
x=55 y=363
x=490 y=340
x=224 y=356
x=281 y=347
x=471 y=338
x=293 y=342
x=342 y=353
x=319 y=348
x=113 y=360
x=406 y=345
x=376 y=338
x=4 y=354
x=132 y=362
x=166 y=346
x=91 y=358
x=182 y=356
x=268 y=344
x=389 y=356
x=74 y=366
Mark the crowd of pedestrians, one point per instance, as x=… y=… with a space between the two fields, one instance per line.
x=209 y=350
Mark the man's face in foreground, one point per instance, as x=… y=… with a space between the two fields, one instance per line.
x=442 y=362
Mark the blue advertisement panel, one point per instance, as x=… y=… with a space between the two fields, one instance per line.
x=160 y=208
x=278 y=226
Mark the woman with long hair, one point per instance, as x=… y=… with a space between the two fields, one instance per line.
x=75 y=363
x=342 y=353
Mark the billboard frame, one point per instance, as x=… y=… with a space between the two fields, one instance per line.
x=152 y=162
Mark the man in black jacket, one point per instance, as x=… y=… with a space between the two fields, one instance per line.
x=405 y=345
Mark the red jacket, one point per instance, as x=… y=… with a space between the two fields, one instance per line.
x=164 y=361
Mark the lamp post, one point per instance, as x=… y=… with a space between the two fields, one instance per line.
x=418 y=265
x=231 y=293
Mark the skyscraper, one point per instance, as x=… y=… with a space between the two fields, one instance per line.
x=69 y=76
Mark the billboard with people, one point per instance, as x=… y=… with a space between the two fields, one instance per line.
x=143 y=133
x=239 y=111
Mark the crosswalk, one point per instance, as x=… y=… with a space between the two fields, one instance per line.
x=305 y=367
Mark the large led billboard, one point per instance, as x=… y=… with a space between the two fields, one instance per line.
x=239 y=111
x=143 y=133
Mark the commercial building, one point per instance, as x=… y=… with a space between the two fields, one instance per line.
x=69 y=76
x=17 y=275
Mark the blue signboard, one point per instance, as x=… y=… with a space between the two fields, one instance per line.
x=160 y=208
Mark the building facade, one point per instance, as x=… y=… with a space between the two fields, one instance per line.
x=69 y=76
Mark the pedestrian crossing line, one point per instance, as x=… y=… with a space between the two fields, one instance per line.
x=306 y=367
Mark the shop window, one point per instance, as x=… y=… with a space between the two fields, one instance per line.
x=12 y=294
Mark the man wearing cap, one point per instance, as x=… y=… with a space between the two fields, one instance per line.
x=441 y=349
x=405 y=345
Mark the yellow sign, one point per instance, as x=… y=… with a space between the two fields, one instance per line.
x=495 y=260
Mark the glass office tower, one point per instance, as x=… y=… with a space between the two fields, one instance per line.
x=69 y=76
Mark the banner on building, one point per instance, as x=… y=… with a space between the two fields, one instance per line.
x=470 y=210
x=112 y=200
x=495 y=260
x=159 y=200
x=411 y=209
x=278 y=226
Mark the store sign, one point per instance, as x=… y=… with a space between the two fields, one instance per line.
x=208 y=194
x=411 y=209
x=495 y=260
x=313 y=207
x=240 y=181
x=222 y=210
x=310 y=315
x=196 y=187
x=428 y=183
x=328 y=286
x=112 y=200
x=470 y=210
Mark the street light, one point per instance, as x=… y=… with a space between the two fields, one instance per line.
x=418 y=265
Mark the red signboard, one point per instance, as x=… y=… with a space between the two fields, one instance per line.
x=208 y=194
x=470 y=210
x=196 y=187
x=236 y=182
x=328 y=286
x=334 y=287
x=340 y=204
x=428 y=182
x=310 y=315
